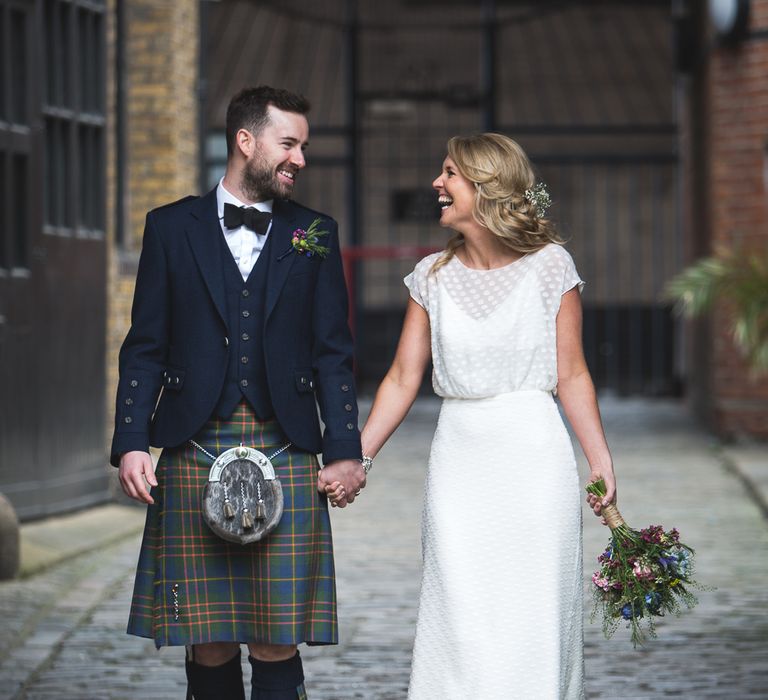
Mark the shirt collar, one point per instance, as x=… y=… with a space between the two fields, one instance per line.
x=224 y=196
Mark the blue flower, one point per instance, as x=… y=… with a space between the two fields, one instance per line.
x=626 y=612
x=652 y=601
x=683 y=562
x=667 y=560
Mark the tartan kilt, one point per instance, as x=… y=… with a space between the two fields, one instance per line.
x=193 y=587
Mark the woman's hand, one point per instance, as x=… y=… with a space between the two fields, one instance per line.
x=336 y=494
x=606 y=474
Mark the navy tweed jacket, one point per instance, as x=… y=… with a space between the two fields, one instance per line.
x=178 y=345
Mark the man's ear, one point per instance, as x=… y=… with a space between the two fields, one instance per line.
x=245 y=142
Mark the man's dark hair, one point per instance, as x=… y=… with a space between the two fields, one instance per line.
x=248 y=109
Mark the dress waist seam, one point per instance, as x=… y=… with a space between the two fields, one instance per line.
x=506 y=394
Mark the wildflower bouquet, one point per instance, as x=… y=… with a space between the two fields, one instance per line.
x=642 y=574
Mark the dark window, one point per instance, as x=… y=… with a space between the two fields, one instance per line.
x=19 y=62
x=16 y=75
x=74 y=111
x=3 y=64
x=4 y=256
x=19 y=211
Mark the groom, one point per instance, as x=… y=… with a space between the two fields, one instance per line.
x=239 y=330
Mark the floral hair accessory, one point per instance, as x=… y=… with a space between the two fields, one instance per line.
x=308 y=242
x=538 y=196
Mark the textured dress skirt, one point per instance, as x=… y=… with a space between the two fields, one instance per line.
x=193 y=587
x=500 y=614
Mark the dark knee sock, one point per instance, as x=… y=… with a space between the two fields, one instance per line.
x=277 y=680
x=224 y=682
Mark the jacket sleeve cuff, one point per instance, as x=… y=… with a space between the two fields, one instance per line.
x=127 y=442
x=341 y=449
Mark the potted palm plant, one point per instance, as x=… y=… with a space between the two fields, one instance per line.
x=740 y=280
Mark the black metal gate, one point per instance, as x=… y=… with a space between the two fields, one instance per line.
x=587 y=88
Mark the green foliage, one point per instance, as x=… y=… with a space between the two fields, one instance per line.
x=739 y=280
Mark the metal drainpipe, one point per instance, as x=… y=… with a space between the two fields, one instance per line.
x=354 y=167
x=489 y=65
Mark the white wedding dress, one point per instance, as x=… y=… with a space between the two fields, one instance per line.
x=500 y=614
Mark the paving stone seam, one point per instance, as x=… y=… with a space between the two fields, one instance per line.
x=753 y=492
x=96 y=544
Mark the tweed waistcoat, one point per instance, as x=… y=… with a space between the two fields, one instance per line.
x=246 y=370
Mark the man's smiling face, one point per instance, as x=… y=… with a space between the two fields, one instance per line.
x=278 y=155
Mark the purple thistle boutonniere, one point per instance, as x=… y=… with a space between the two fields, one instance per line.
x=308 y=242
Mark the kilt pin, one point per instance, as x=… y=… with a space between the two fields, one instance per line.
x=192 y=587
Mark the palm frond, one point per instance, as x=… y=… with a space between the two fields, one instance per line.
x=739 y=280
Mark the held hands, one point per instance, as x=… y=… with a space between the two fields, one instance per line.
x=606 y=474
x=135 y=468
x=341 y=481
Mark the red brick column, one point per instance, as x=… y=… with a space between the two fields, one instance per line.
x=738 y=205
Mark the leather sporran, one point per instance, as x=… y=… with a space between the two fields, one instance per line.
x=243 y=498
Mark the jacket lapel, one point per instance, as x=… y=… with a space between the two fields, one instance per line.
x=203 y=234
x=281 y=256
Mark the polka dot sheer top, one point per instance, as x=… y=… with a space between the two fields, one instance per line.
x=493 y=331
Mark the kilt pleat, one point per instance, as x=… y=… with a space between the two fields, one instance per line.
x=193 y=587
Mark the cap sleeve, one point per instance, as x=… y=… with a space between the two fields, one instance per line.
x=416 y=282
x=571 y=277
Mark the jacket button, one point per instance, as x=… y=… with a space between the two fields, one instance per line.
x=246 y=313
x=311 y=384
x=226 y=342
x=134 y=383
x=177 y=380
x=350 y=426
x=245 y=292
x=345 y=387
x=348 y=407
x=129 y=401
x=245 y=336
x=244 y=359
x=303 y=380
x=243 y=382
x=128 y=419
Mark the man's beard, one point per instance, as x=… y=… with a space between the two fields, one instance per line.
x=260 y=181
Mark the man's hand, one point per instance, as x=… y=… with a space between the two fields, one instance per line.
x=341 y=481
x=135 y=467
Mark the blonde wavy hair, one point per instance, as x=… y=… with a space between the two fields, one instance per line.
x=501 y=173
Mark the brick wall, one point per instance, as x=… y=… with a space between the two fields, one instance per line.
x=738 y=203
x=162 y=39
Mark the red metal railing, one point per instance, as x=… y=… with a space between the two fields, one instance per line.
x=350 y=255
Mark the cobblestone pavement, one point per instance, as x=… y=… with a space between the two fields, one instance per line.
x=62 y=634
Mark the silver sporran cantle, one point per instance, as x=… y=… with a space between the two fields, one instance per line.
x=243 y=498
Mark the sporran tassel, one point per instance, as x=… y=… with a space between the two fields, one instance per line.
x=260 y=512
x=229 y=511
x=247 y=519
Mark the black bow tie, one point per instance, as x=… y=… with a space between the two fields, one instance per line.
x=257 y=221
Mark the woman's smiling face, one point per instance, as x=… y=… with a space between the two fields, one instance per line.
x=456 y=196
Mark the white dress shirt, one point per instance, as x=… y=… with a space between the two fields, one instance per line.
x=246 y=245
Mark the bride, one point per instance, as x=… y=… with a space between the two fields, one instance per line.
x=499 y=314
